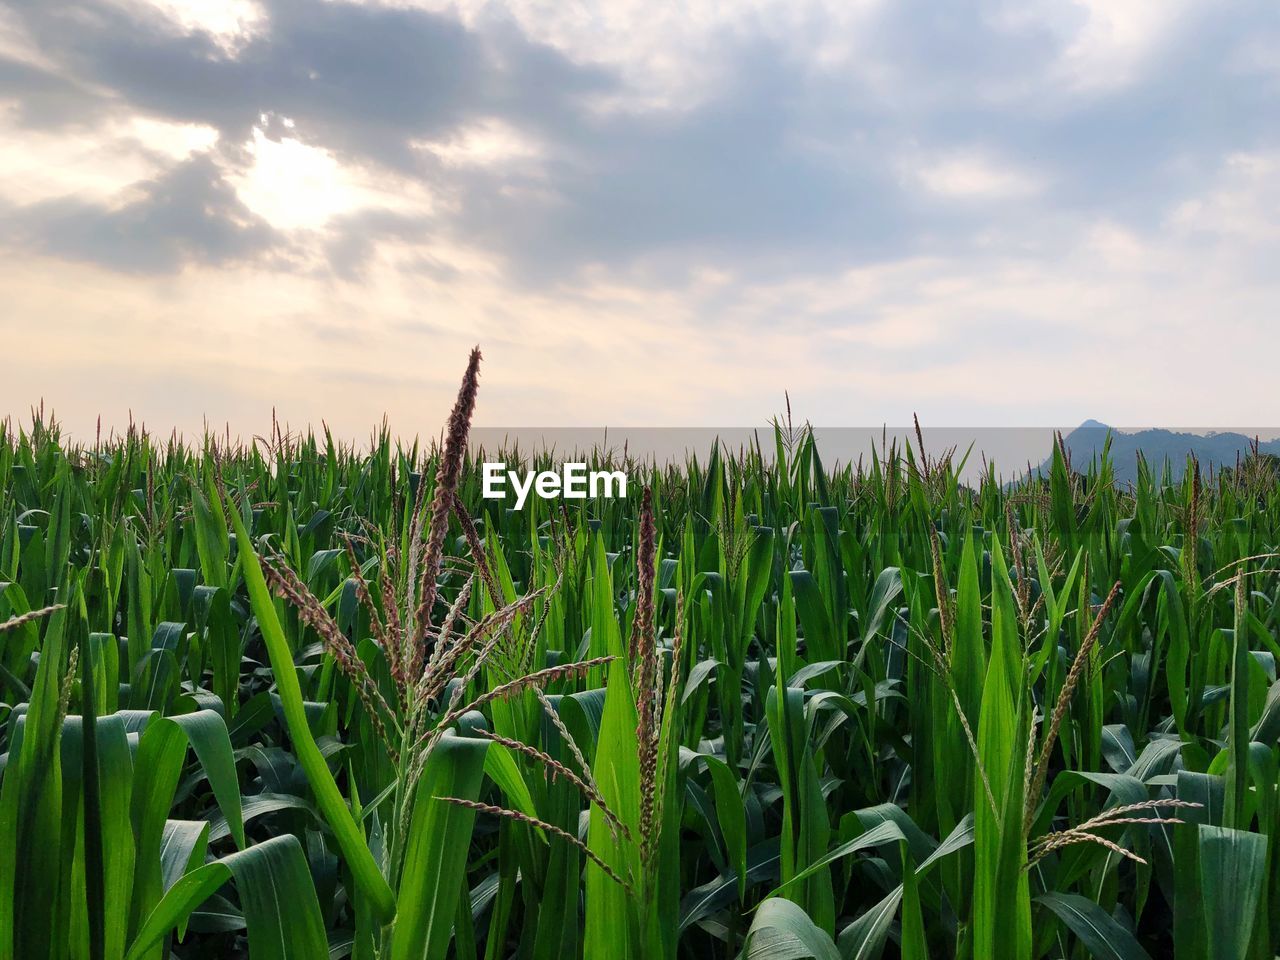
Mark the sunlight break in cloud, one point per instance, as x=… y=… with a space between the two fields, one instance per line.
x=293 y=185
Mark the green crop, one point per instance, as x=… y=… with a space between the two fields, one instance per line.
x=295 y=700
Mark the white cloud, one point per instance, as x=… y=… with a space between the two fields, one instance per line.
x=670 y=54
x=177 y=141
x=96 y=163
x=1242 y=204
x=488 y=142
x=1118 y=247
x=973 y=175
x=231 y=23
x=1116 y=40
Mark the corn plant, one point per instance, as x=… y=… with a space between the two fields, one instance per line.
x=287 y=698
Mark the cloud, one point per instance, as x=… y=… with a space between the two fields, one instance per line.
x=189 y=213
x=762 y=141
x=917 y=188
x=973 y=176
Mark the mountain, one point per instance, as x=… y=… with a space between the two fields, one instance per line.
x=1213 y=450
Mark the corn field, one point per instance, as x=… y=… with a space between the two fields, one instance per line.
x=287 y=699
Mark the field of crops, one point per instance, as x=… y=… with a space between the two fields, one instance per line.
x=287 y=699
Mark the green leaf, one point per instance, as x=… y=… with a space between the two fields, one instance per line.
x=182 y=849
x=882 y=833
x=368 y=876
x=1232 y=881
x=781 y=930
x=436 y=850
x=864 y=938
x=1001 y=899
x=276 y=894
x=612 y=929
x=1102 y=936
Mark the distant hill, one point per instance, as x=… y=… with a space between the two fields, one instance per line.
x=1213 y=450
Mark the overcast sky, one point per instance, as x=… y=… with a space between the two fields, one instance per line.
x=990 y=213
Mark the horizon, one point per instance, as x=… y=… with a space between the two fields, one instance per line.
x=1018 y=448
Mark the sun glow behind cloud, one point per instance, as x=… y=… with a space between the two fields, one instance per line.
x=296 y=186
x=293 y=185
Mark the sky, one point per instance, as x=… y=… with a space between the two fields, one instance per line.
x=1020 y=213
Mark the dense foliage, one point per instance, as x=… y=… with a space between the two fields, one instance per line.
x=770 y=709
